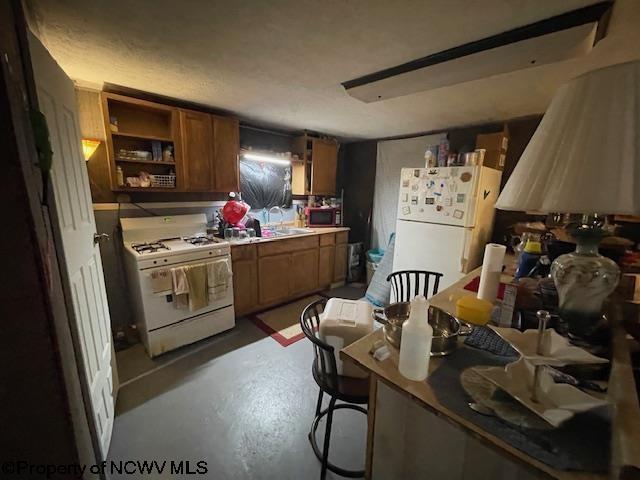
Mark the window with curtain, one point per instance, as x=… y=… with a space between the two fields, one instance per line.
x=265 y=185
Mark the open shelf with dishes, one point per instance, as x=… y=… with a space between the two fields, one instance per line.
x=142 y=138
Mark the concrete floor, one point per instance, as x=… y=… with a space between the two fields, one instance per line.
x=239 y=401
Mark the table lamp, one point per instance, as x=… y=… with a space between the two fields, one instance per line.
x=584 y=158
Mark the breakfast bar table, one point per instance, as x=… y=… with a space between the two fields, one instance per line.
x=411 y=434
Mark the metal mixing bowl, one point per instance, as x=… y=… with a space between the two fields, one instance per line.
x=446 y=327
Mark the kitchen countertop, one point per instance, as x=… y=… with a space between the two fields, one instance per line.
x=314 y=231
x=627 y=413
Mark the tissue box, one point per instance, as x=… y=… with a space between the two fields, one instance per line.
x=342 y=323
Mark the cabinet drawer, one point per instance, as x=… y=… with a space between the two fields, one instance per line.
x=243 y=252
x=286 y=246
x=342 y=237
x=327 y=239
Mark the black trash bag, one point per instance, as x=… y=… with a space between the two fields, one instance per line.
x=265 y=185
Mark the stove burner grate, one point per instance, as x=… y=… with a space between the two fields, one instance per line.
x=199 y=240
x=149 y=247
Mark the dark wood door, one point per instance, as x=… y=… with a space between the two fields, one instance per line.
x=325 y=265
x=197 y=150
x=245 y=286
x=272 y=278
x=340 y=263
x=303 y=276
x=226 y=134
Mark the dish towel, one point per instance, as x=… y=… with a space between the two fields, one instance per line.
x=161 y=281
x=197 y=281
x=218 y=279
x=180 y=286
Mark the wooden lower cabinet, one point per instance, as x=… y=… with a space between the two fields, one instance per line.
x=245 y=286
x=325 y=265
x=267 y=274
x=340 y=263
x=303 y=275
x=273 y=271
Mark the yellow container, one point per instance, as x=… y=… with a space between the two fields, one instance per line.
x=473 y=310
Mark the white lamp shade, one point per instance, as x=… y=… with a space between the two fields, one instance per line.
x=585 y=155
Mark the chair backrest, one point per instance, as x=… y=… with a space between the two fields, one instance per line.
x=408 y=284
x=325 y=359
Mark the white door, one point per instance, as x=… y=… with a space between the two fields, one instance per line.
x=431 y=247
x=76 y=224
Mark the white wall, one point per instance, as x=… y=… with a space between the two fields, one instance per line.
x=393 y=155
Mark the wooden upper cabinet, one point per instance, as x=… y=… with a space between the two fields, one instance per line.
x=196 y=132
x=314 y=173
x=226 y=139
x=324 y=166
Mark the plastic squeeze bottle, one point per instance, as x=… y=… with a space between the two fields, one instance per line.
x=415 y=345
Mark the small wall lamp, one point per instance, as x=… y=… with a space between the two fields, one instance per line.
x=89 y=147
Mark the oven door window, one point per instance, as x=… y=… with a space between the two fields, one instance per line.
x=321 y=217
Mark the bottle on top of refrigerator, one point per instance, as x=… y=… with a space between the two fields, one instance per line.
x=415 y=346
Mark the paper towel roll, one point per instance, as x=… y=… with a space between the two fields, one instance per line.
x=491 y=270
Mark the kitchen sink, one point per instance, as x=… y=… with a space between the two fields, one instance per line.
x=286 y=231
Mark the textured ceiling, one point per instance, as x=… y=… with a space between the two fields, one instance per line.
x=279 y=63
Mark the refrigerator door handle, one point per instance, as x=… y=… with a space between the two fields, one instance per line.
x=464 y=258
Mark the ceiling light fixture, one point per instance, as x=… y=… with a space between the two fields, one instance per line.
x=262 y=157
x=568 y=35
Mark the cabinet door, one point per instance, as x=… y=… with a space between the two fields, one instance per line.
x=323 y=167
x=325 y=265
x=226 y=134
x=340 y=263
x=197 y=150
x=303 y=276
x=272 y=274
x=245 y=286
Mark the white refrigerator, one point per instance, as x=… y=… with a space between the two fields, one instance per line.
x=445 y=219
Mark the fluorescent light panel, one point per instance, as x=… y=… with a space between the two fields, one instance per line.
x=261 y=157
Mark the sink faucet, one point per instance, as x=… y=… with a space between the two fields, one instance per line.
x=278 y=209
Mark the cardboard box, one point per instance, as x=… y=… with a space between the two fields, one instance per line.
x=496 y=145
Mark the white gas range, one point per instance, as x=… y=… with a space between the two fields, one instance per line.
x=155 y=245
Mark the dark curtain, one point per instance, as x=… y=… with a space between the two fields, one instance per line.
x=265 y=185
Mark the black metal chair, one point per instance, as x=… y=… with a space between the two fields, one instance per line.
x=408 y=284
x=353 y=391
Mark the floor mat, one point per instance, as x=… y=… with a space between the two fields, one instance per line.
x=350 y=291
x=283 y=323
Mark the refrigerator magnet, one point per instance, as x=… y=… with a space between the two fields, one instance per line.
x=429 y=201
x=414 y=200
x=465 y=176
x=405 y=197
x=448 y=201
x=460 y=198
x=458 y=214
x=406 y=210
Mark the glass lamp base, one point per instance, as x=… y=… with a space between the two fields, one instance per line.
x=584 y=279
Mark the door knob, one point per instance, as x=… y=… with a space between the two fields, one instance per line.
x=100 y=237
